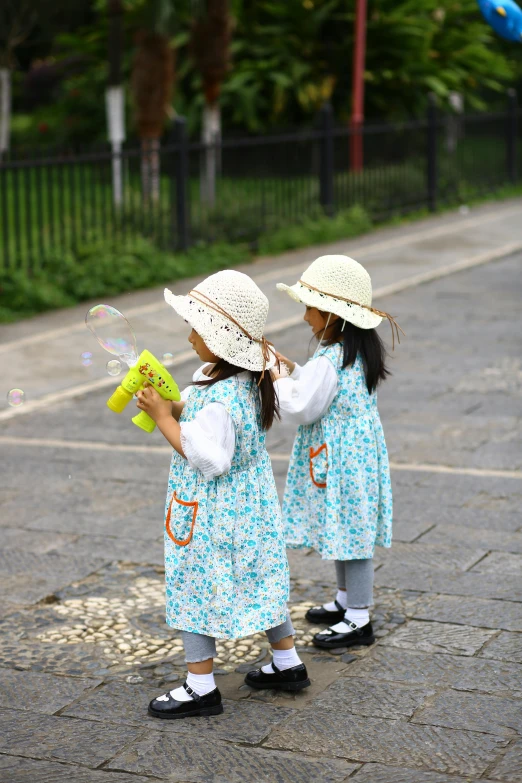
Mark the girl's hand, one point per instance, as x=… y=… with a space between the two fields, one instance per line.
x=289 y=363
x=153 y=403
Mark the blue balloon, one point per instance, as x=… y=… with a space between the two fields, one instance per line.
x=504 y=16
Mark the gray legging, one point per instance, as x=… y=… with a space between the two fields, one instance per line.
x=199 y=647
x=356 y=577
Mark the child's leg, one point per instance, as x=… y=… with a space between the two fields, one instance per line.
x=359 y=590
x=284 y=654
x=340 y=598
x=355 y=627
x=199 y=695
x=288 y=672
x=200 y=651
x=333 y=611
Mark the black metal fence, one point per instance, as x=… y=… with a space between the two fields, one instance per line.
x=183 y=193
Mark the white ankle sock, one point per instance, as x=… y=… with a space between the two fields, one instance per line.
x=283 y=659
x=200 y=683
x=358 y=616
x=340 y=598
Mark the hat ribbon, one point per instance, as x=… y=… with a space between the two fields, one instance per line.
x=263 y=342
x=395 y=328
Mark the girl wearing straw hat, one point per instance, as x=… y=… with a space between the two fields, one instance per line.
x=338 y=497
x=226 y=568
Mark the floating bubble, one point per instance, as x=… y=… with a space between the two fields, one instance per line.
x=464 y=210
x=113 y=332
x=114 y=367
x=167 y=357
x=15 y=398
x=86 y=358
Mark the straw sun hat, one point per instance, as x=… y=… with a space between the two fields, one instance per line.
x=229 y=312
x=339 y=285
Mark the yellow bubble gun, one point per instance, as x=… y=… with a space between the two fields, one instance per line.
x=146 y=370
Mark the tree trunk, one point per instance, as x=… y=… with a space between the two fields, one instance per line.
x=150 y=169
x=211 y=155
x=5 y=110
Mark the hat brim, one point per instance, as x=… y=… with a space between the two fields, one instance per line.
x=354 y=314
x=221 y=336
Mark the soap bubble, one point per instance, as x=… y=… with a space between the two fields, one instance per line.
x=114 y=367
x=113 y=332
x=15 y=398
x=86 y=358
x=464 y=210
x=167 y=357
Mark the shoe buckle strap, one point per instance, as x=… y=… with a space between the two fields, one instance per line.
x=191 y=692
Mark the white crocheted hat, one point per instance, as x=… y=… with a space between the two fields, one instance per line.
x=339 y=285
x=228 y=310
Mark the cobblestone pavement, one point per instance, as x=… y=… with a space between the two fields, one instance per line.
x=83 y=643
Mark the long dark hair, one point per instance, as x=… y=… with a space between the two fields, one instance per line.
x=363 y=342
x=269 y=403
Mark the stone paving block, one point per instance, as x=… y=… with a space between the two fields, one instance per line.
x=439 y=638
x=500 y=563
x=190 y=759
x=38 y=541
x=480 y=538
x=123 y=548
x=116 y=702
x=388 y=741
x=147 y=525
x=429 y=557
x=503 y=586
x=310 y=567
x=506 y=647
x=450 y=670
x=470 y=611
x=509 y=768
x=374 y=699
x=379 y=773
x=473 y=712
x=408 y=529
x=50 y=737
x=40 y=692
x=14 y=769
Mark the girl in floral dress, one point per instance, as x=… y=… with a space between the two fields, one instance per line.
x=338 y=497
x=226 y=568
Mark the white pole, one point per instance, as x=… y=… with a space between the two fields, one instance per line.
x=115 y=106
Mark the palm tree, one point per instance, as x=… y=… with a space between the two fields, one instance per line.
x=211 y=32
x=152 y=83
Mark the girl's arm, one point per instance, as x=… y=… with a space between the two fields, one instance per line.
x=162 y=412
x=209 y=440
x=177 y=408
x=306 y=399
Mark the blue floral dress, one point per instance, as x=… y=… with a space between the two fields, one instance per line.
x=338 y=497
x=226 y=568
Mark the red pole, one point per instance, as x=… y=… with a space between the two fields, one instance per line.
x=359 y=56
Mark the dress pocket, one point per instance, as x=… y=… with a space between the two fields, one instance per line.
x=181 y=514
x=319 y=465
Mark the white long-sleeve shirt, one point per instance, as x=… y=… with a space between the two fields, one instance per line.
x=306 y=395
x=209 y=440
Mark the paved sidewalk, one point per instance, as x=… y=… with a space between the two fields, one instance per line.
x=83 y=643
x=43 y=353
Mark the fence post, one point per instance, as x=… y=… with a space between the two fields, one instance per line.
x=181 y=218
x=431 y=153
x=326 y=164
x=511 y=139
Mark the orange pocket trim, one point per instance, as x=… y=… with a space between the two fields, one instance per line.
x=170 y=534
x=314 y=454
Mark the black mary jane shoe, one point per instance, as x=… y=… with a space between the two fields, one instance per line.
x=198 y=706
x=294 y=679
x=321 y=615
x=330 y=639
